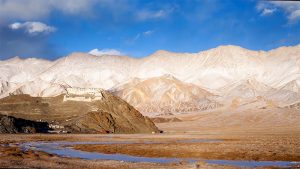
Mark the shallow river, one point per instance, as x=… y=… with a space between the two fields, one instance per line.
x=65 y=149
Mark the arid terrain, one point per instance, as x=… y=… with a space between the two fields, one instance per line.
x=109 y=115
x=216 y=144
x=228 y=137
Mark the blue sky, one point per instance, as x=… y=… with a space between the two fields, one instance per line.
x=54 y=28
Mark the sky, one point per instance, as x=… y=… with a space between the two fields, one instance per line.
x=55 y=28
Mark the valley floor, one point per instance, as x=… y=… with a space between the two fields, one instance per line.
x=256 y=144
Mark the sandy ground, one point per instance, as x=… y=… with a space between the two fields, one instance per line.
x=240 y=121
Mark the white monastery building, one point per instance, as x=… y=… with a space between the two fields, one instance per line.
x=83 y=94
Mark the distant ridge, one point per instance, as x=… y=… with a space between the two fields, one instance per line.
x=214 y=70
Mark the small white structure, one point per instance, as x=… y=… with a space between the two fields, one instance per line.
x=83 y=94
x=55 y=126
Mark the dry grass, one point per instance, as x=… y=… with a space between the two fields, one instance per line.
x=270 y=147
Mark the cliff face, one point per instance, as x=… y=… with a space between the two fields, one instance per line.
x=9 y=124
x=108 y=115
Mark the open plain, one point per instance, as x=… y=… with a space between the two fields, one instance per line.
x=203 y=146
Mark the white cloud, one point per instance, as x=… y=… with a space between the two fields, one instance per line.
x=73 y=6
x=32 y=27
x=265 y=8
x=291 y=8
x=98 y=52
x=268 y=11
x=148 y=33
x=37 y=9
x=151 y=14
x=294 y=16
x=145 y=34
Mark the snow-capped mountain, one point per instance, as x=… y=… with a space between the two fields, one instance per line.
x=229 y=72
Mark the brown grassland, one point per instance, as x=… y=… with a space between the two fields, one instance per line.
x=259 y=145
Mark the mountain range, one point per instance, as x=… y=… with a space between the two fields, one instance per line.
x=166 y=82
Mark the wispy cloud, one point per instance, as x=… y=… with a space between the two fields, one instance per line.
x=268 y=11
x=265 y=8
x=147 y=14
x=32 y=28
x=148 y=32
x=22 y=43
x=24 y=10
x=98 y=52
x=145 y=34
x=291 y=9
x=36 y=9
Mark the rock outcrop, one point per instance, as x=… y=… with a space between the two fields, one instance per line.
x=108 y=115
x=9 y=124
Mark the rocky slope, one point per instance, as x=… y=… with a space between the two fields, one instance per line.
x=165 y=94
x=12 y=125
x=251 y=90
x=109 y=115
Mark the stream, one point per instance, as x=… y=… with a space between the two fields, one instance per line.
x=65 y=149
